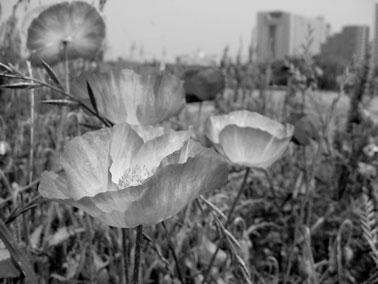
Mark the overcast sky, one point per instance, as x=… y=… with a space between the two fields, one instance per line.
x=176 y=27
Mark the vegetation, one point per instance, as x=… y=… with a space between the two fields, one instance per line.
x=309 y=217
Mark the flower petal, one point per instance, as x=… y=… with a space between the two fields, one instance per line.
x=107 y=90
x=125 y=96
x=163 y=96
x=85 y=160
x=125 y=143
x=154 y=151
x=251 y=147
x=243 y=118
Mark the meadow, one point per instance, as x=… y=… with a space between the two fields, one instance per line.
x=251 y=183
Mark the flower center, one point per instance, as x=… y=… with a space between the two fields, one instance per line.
x=135 y=176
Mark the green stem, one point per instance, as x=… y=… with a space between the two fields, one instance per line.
x=228 y=222
x=125 y=233
x=138 y=253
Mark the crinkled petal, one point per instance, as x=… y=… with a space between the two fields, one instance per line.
x=154 y=151
x=125 y=143
x=160 y=197
x=85 y=160
x=164 y=195
x=149 y=132
x=125 y=96
x=107 y=90
x=163 y=97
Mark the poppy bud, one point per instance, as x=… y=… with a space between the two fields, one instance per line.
x=203 y=84
x=304 y=129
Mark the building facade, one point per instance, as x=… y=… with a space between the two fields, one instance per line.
x=347 y=46
x=375 y=44
x=281 y=34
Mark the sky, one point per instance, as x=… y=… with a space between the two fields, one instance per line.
x=167 y=28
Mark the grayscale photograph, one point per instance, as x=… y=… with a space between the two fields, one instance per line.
x=189 y=142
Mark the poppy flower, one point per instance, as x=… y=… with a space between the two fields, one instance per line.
x=248 y=138
x=133 y=175
x=305 y=129
x=125 y=96
x=203 y=84
x=77 y=25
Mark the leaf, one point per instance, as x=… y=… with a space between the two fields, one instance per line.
x=7 y=267
x=52 y=74
x=92 y=97
x=60 y=102
x=63 y=234
x=18 y=256
x=21 y=85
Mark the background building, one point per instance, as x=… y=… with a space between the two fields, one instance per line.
x=350 y=44
x=375 y=45
x=281 y=34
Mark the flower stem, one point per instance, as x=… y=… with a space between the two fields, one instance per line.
x=228 y=222
x=138 y=252
x=125 y=252
x=64 y=111
x=175 y=258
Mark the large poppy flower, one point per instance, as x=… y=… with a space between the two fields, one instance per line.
x=129 y=176
x=76 y=24
x=248 y=138
x=125 y=96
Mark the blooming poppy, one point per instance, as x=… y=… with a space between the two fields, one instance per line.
x=248 y=138
x=125 y=96
x=77 y=25
x=133 y=175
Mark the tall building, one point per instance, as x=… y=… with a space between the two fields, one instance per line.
x=281 y=34
x=348 y=45
x=375 y=45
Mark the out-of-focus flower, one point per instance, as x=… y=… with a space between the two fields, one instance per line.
x=125 y=96
x=203 y=84
x=248 y=138
x=77 y=25
x=370 y=150
x=126 y=176
x=4 y=148
x=367 y=170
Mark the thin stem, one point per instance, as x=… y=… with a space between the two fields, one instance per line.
x=125 y=233
x=175 y=258
x=228 y=222
x=138 y=252
x=64 y=110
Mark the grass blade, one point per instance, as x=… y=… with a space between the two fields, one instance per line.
x=18 y=256
x=52 y=74
x=92 y=97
